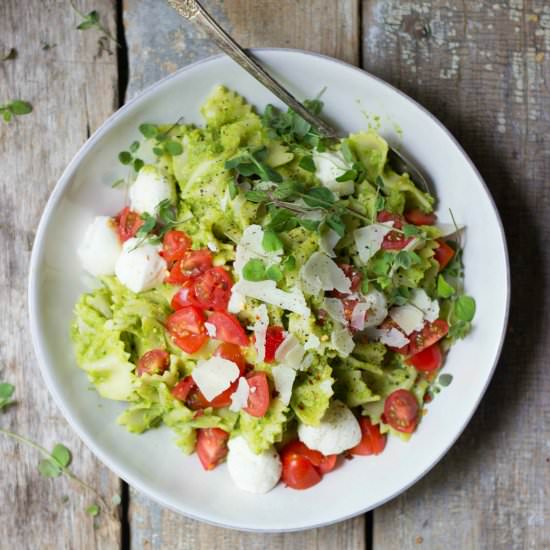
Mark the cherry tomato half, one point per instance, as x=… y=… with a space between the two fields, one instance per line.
x=401 y=411
x=192 y=264
x=273 y=339
x=417 y=217
x=228 y=328
x=212 y=289
x=128 y=224
x=154 y=361
x=259 y=395
x=427 y=360
x=182 y=388
x=174 y=245
x=184 y=296
x=443 y=254
x=299 y=473
x=385 y=216
x=428 y=336
x=323 y=463
x=393 y=240
x=211 y=446
x=186 y=326
x=232 y=352
x=372 y=441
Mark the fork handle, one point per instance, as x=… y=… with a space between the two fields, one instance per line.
x=193 y=11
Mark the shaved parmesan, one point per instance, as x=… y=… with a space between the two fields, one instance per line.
x=267 y=291
x=312 y=342
x=391 y=337
x=250 y=247
x=335 y=308
x=236 y=301
x=422 y=301
x=239 y=398
x=369 y=239
x=342 y=341
x=214 y=376
x=283 y=377
x=408 y=317
x=210 y=329
x=322 y=273
x=260 y=330
x=306 y=362
x=378 y=309
x=358 y=315
x=290 y=352
x=328 y=240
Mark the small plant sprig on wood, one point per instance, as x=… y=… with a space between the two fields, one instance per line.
x=14 y=108
x=92 y=20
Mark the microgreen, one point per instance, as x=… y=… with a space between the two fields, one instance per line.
x=271 y=241
x=464 y=308
x=173 y=148
x=92 y=20
x=149 y=131
x=410 y=230
x=307 y=163
x=17 y=107
x=274 y=273
x=6 y=393
x=127 y=158
x=93 y=510
x=444 y=289
x=254 y=270
x=233 y=189
x=289 y=263
x=445 y=379
x=252 y=164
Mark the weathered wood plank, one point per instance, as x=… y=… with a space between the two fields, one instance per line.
x=320 y=25
x=73 y=90
x=484 y=69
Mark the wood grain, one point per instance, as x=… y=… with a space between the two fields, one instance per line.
x=73 y=90
x=483 y=68
x=320 y=25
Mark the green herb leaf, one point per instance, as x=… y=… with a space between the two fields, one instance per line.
x=125 y=157
x=6 y=393
x=289 y=263
x=271 y=241
x=256 y=196
x=20 y=107
x=61 y=455
x=254 y=270
x=149 y=223
x=445 y=379
x=346 y=152
x=134 y=146
x=148 y=130
x=287 y=190
x=406 y=258
x=319 y=197
x=410 y=230
x=335 y=222
x=464 y=308
x=92 y=510
x=138 y=164
x=348 y=175
x=307 y=163
x=282 y=220
x=48 y=468
x=173 y=148
x=6 y=114
x=379 y=203
x=118 y=182
x=444 y=289
x=158 y=151
x=365 y=286
x=274 y=273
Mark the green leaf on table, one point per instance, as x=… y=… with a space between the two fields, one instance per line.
x=93 y=510
x=61 y=455
x=90 y=20
x=444 y=289
x=254 y=270
x=116 y=500
x=49 y=468
x=464 y=308
x=6 y=392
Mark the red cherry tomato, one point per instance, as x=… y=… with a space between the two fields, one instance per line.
x=401 y=411
x=186 y=326
x=328 y=464
x=323 y=463
x=192 y=264
x=228 y=328
x=211 y=446
x=393 y=240
x=273 y=339
x=128 y=224
x=232 y=352
x=155 y=361
x=174 y=245
x=443 y=254
x=183 y=387
x=184 y=296
x=299 y=473
x=417 y=217
x=372 y=441
x=259 y=395
x=385 y=216
x=428 y=336
x=213 y=289
x=427 y=360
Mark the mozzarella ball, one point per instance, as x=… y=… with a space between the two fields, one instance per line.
x=255 y=473
x=149 y=189
x=329 y=166
x=338 y=431
x=139 y=266
x=100 y=248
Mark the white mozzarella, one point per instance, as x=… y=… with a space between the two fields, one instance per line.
x=330 y=165
x=337 y=432
x=267 y=291
x=100 y=247
x=322 y=273
x=149 y=190
x=408 y=317
x=283 y=377
x=214 y=375
x=369 y=239
x=255 y=473
x=239 y=398
x=139 y=266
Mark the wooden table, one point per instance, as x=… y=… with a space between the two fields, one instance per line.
x=482 y=67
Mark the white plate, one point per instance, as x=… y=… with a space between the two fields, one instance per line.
x=151 y=462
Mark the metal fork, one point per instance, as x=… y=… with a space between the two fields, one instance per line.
x=193 y=11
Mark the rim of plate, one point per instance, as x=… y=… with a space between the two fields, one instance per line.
x=37 y=254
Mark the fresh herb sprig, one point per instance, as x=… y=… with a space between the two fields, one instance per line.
x=163 y=145
x=6 y=394
x=129 y=157
x=16 y=107
x=92 y=20
x=155 y=227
